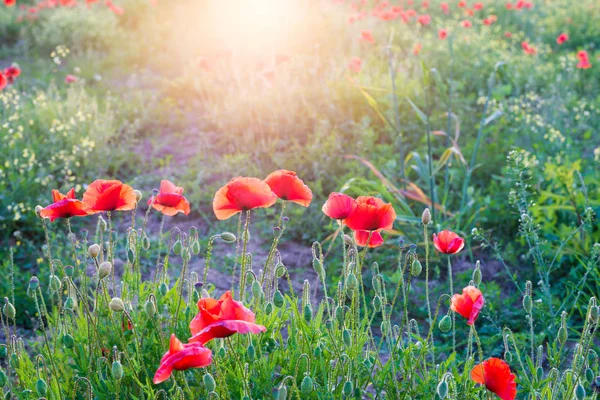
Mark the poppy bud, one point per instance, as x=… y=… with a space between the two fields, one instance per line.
x=69 y=271
x=117 y=370
x=69 y=303
x=138 y=195
x=442 y=389
x=351 y=282
x=102 y=223
x=68 y=341
x=38 y=210
x=269 y=308
x=195 y=247
x=251 y=351
x=3 y=350
x=348 y=240
x=116 y=304
x=282 y=392
x=348 y=388
x=347 y=337
x=9 y=309
x=280 y=270
x=416 y=268
x=426 y=217
x=228 y=237
x=145 y=242
x=318 y=267
x=163 y=289
x=278 y=299
x=306 y=386
x=177 y=247
x=3 y=379
x=579 y=392
x=508 y=356
x=308 y=313
x=445 y=324
x=41 y=387
x=55 y=283
x=589 y=375
x=94 y=250
x=594 y=314
x=209 y=382
x=150 y=308
x=104 y=270
x=562 y=335
x=257 y=291
x=377 y=303
x=221 y=352
x=34 y=283
x=339 y=314
x=539 y=373
x=477 y=274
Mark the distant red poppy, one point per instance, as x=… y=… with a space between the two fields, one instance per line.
x=170 y=200
x=10 y=3
x=370 y=215
x=582 y=55
x=490 y=20
x=222 y=318
x=478 y=6
x=417 y=48
x=563 y=37
x=507 y=35
x=339 y=206
x=469 y=12
x=468 y=304
x=462 y=4
x=71 y=79
x=424 y=19
x=528 y=49
x=495 y=374
x=445 y=8
x=287 y=186
x=12 y=73
x=425 y=4
x=181 y=357
x=508 y=6
x=367 y=36
x=584 y=64
x=114 y=8
x=466 y=23
x=112 y=195
x=442 y=34
x=64 y=206
x=3 y=81
x=242 y=194
x=411 y=13
x=448 y=242
x=355 y=65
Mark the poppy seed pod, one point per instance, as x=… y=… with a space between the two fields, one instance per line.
x=426 y=217
x=117 y=305
x=104 y=270
x=94 y=250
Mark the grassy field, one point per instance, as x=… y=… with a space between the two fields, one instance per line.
x=479 y=118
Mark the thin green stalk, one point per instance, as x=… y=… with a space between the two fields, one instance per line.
x=243 y=260
x=450 y=279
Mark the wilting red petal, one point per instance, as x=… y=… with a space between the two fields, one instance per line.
x=181 y=357
x=362 y=237
x=287 y=186
x=371 y=214
x=468 y=304
x=65 y=208
x=448 y=242
x=339 y=206
x=223 y=329
x=242 y=194
x=495 y=374
x=102 y=195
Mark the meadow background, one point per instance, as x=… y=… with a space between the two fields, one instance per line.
x=492 y=124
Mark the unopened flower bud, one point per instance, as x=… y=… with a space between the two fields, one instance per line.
x=38 y=210
x=9 y=309
x=282 y=392
x=426 y=217
x=228 y=237
x=117 y=370
x=579 y=392
x=69 y=303
x=442 y=389
x=351 y=282
x=177 y=247
x=527 y=303
x=55 y=283
x=308 y=313
x=34 y=283
x=104 y=270
x=416 y=268
x=3 y=379
x=150 y=308
x=41 y=387
x=209 y=382
x=278 y=299
x=445 y=324
x=68 y=341
x=348 y=240
x=347 y=337
x=306 y=386
x=117 y=305
x=138 y=195
x=163 y=289
x=94 y=250
x=348 y=389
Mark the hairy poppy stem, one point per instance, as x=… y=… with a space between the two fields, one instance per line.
x=450 y=279
x=243 y=260
x=426 y=240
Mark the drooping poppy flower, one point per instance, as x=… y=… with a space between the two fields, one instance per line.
x=563 y=37
x=468 y=304
x=417 y=48
x=442 y=34
x=466 y=23
x=113 y=195
x=355 y=65
x=339 y=206
x=370 y=215
x=367 y=36
x=11 y=73
x=424 y=19
x=170 y=200
x=242 y=194
x=71 y=79
x=287 y=186
x=10 y=3
x=448 y=242
x=64 y=206
x=495 y=374
x=181 y=357
x=222 y=318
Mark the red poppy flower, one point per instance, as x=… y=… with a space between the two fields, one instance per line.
x=362 y=239
x=466 y=23
x=495 y=374
x=508 y=6
x=425 y=4
x=582 y=55
x=367 y=36
x=563 y=37
x=527 y=48
x=424 y=19
x=3 y=81
x=114 y=8
x=417 y=48
x=468 y=304
x=287 y=186
x=242 y=194
x=442 y=34
x=448 y=242
x=507 y=35
x=584 y=64
x=64 y=206
x=478 y=6
x=355 y=65
x=469 y=12
x=103 y=195
x=462 y=4
x=222 y=318
x=170 y=200
x=445 y=8
x=181 y=357
x=12 y=73
x=71 y=79
x=371 y=214
x=339 y=206
x=10 y=3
